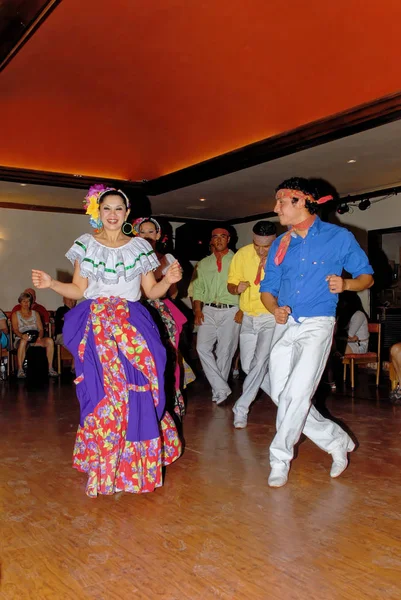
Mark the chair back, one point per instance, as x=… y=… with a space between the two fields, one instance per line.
x=376 y=328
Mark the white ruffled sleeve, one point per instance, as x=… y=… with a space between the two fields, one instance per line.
x=99 y=262
x=78 y=250
x=169 y=258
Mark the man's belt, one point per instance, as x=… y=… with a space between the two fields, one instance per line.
x=219 y=305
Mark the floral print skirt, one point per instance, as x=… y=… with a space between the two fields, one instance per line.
x=125 y=435
x=173 y=321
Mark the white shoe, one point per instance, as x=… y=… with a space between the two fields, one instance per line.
x=240 y=422
x=221 y=398
x=340 y=459
x=278 y=477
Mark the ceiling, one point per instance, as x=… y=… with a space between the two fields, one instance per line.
x=136 y=90
x=248 y=192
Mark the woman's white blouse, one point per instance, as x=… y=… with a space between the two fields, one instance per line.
x=113 y=271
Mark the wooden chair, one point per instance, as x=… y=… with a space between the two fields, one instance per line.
x=12 y=353
x=367 y=357
x=61 y=353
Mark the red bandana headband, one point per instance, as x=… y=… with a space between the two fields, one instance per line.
x=300 y=195
x=286 y=239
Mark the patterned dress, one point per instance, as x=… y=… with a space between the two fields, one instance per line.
x=173 y=321
x=125 y=435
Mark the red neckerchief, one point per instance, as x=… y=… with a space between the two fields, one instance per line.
x=219 y=258
x=286 y=239
x=261 y=266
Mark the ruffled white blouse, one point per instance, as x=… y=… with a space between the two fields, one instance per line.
x=113 y=271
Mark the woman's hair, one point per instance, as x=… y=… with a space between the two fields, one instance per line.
x=25 y=296
x=139 y=222
x=301 y=184
x=119 y=193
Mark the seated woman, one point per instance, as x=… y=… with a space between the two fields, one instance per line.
x=352 y=325
x=4 y=341
x=28 y=329
x=395 y=355
x=351 y=334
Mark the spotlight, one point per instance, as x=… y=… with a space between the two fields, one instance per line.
x=364 y=204
x=342 y=208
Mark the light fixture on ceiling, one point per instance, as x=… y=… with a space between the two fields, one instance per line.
x=351 y=161
x=364 y=204
x=202 y=199
x=342 y=208
x=23 y=184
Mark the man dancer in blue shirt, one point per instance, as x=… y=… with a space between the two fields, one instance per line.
x=301 y=287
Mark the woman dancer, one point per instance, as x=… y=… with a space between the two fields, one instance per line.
x=173 y=319
x=125 y=436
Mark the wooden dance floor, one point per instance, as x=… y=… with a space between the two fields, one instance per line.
x=215 y=530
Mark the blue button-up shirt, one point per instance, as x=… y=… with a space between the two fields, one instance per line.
x=300 y=281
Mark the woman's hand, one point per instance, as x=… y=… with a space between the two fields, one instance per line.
x=41 y=280
x=173 y=273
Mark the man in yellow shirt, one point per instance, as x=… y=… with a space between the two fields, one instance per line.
x=244 y=277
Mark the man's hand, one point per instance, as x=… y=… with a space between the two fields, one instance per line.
x=242 y=286
x=239 y=315
x=281 y=314
x=336 y=284
x=199 y=317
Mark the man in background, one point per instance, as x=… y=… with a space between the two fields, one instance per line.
x=215 y=311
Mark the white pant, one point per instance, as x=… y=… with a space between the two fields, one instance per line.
x=218 y=328
x=255 y=340
x=297 y=360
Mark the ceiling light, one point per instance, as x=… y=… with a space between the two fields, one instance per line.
x=364 y=204
x=342 y=208
x=351 y=160
x=23 y=184
x=202 y=199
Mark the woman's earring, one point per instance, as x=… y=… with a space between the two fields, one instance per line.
x=126 y=228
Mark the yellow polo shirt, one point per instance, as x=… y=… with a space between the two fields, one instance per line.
x=244 y=267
